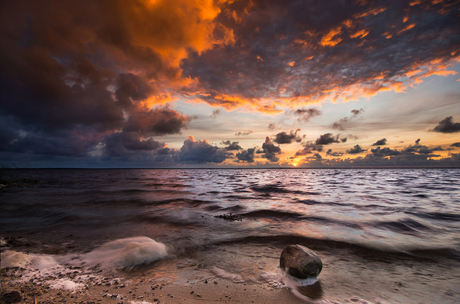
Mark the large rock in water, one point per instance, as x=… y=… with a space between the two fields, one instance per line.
x=300 y=262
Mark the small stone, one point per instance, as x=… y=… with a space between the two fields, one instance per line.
x=300 y=262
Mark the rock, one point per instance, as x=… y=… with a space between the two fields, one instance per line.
x=11 y=297
x=300 y=262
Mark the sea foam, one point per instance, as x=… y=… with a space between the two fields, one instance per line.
x=126 y=253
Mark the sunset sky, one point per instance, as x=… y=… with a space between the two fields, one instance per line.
x=250 y=83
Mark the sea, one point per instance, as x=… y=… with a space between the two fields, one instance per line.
x=388 y=235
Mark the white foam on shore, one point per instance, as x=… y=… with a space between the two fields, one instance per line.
x=77 y=270
x=23 y=260
x=236 y=278
x=126 y=253
x=65 y=284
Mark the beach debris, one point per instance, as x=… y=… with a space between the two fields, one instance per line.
x=300 y=262
x=230 y=217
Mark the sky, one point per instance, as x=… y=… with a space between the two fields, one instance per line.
x=229 y=83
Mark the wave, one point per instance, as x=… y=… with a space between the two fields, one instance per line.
x=272 y=213
x=403 y=226
x=368 y=251
x=437 y=216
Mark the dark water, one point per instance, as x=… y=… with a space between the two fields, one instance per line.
x=371 y=213
x=391 y=210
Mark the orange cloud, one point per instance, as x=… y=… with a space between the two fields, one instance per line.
x=374 y=12
x=360 y=34
x=406 y=28
x=330 y=38
x=171 y=30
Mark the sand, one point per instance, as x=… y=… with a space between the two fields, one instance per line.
x=144 y=291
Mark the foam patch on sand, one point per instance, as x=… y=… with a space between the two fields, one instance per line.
x=23 y=260
x=65 y=284
x=126 y=253
x=236 y=278
x=72 y=272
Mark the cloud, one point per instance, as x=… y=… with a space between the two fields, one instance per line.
x=365 y=50
x=75 y=78
x=306 y=114
x=270 y=150
x=333 y=154
x=215 y=113
x=285 y=138
x=457 y=144
x=246 y=155
x=384 y=152
x=273 y=126
x=201 y=152
x=309 y=146
x=380 y=142
x=132 y=89
x=157 y=121
x=346 y=122
x=316 y=156
x=231 y=146
x=328 y=138
x=79 y=81
x=447 y=126
x=243 y=133
x=356 y=150
x=129 y=143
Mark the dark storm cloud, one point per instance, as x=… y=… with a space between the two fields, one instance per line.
x=157 y=121
x=356 y=150
x=306 y=114
x=380 y=142
x=244 y=133
x=232 y=146
x=201 y=152
x=346 y=122
x=457 y=144
x=447 y=126
x=246 y=155
x=285 y=138
x=132 y=89
x=297 y=52
x=129 y=143
x=76 y=75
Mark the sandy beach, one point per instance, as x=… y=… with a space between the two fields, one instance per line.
x=344 y=279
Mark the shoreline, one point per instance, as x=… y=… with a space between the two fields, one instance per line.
x=147 y=291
